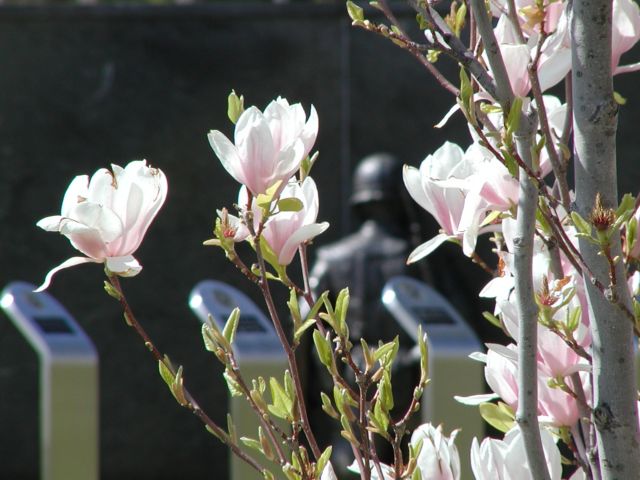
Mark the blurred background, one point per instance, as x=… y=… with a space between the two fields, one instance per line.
x=83 y=86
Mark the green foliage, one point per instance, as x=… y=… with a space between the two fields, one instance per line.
x=355 y=12
x=229 y=331
x=291 y=204
x=235 y=106
x=499 y=415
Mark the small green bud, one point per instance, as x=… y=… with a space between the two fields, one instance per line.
x=235 y=106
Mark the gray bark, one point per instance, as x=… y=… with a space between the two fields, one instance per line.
x=527 y=414
x=595 y=121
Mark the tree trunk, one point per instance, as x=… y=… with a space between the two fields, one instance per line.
x=615 y=413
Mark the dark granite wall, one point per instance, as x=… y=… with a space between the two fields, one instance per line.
x=81 y=88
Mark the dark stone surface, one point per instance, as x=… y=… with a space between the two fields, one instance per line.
x=81 y=88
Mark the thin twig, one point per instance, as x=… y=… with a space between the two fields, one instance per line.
x=191 y=403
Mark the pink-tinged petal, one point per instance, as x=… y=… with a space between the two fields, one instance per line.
x=227 y=153
x=96 y=217
x=516 y=60
x=427 y=247
x=287 y=162
x=554 y=68
x=633 y=67
x=310 y=131
x=50 y=224
x=413 y=184
x=475 y=400
x=259 y=159
x=101 y=187
x=311 y=200
x=440 y=164
x=138 y=205
x=76 y=192
x=71 y=262
x=303 y=234
x=125 y=266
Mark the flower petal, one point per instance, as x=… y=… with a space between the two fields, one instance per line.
x=304 y=233
x=50 y=224
x=71 y=262
x=126 y=266
x=427 y=247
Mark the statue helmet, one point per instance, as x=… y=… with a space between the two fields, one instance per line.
x=378 y=177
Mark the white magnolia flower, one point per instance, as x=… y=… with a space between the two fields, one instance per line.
x=507 y=460
x=107 y=217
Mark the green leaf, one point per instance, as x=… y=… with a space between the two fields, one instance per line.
x=234 y=387
x=510 y=163
x=264 y=200
x=323 y=347
x=627 y=204
x=177 y=388
x=581 y=224
x=267 y=475
x=316 y=306
x=355 y=12
x=422 y=22
x=513 y=120
x=231 y=428
x=327 y=406
x=294 y=308
x=291 y=204
x=323 y=460
x=466 y=90
x=235 y=106
x=498 y=417
x=214 y=433
x=111 y=290
x=492 y=319
x=267 y=451
x=619 y=99
x=342 y=305
x=386 y=353
x=307 y=165
x=252 y=443
x=460 y=18
x=424 y=355
x=385 y=394
x=282 y=404
x=229 y=331
x=303 y=328
x=381 y=417
x=166 y=371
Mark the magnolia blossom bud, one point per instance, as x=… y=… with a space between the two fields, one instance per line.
x=107 y=217
x=268 y=147
x=438 y=458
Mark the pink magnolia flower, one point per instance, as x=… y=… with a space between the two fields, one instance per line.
x=501 y=372
x=286 y=231
x=445 y=204
x=625 y=33
x=107 y=217
x=458 y=188
x=554 y=61
x=555 y=406
x=268 y=147
x=507 y=460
